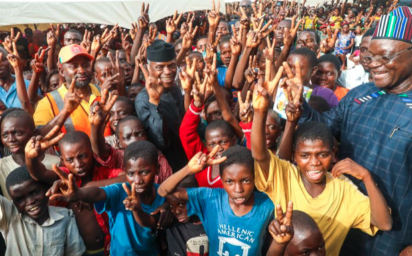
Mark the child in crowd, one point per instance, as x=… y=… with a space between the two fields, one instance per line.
x=128 y=130
x=77 y=158
x=308 y=63
x=235 y=218
x=122 y=107
x=273 y=124
x=218 y=132
x=344 y=43
x=186 y=235
x=133 y=90
x=17 y=128
x=295 y=233
x=331 y=199
x=311 y=21
x=127 y=205
x=30 y=226
x=328 y=74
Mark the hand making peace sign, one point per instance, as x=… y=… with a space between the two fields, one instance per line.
x=200 y=160
x=281 y=228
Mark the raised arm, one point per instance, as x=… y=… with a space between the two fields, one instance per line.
x=35 y=148
x=143 y=24
x=171 y=25
x=195 y=165
x=261 y=102
x=288 y=40
x=213 y=19
x=293 y=112
x=17 y=65
x=252 y=42
x=221 y=101
x=236 y=48
x=38 y=68
x=98 y=114
x=52 y=39
x=187 y=78
x=186 y=45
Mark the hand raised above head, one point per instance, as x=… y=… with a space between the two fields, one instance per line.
x=261 y=98
x=214 y=15
x=37 y=145
x=245 y=108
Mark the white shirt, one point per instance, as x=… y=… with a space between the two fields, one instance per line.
x=354 y=77
x=7 y=165
x=56 y=236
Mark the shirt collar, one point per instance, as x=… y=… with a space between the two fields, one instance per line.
x=53 y=217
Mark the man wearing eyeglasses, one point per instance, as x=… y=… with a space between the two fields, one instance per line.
x=373 y=123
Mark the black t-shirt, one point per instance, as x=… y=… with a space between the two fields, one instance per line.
x=187 y=239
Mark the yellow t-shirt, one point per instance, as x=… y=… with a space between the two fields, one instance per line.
x=309 y=22
x=44 y=112
x=336 y=20
x=340 y=207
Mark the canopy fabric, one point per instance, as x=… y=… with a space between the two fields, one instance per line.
x=22 y=13
x=308 y=2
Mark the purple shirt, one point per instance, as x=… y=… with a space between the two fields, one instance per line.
x=327 y=94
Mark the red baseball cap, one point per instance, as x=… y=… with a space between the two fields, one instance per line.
x=68 y=52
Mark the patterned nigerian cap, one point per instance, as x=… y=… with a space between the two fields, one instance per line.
x=396 y=26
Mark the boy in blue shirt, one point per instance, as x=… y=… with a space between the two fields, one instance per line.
x=128 y=208
x=235 y=218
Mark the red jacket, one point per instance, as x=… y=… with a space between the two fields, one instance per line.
x=247 y=129
x=192 y=144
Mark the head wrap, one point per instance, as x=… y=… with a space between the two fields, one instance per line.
x=395 y=26
x=160 y=51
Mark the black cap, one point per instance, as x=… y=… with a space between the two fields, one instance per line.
x=160 y=51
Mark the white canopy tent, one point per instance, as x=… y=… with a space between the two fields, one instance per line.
x=24 y=13
x=308 y=2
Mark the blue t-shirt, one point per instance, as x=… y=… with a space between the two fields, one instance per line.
x=10 y=98
x=128 y=237
x=230 y=234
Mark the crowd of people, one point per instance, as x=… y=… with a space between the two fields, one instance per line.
x=277 y=128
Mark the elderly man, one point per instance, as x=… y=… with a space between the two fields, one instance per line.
x=161 y=107
x=61 y=107
x=373 y=124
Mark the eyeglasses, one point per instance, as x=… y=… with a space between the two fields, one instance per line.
x=382 y=59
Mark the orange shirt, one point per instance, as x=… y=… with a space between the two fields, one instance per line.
x=340 y=92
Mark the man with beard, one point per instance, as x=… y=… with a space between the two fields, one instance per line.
x=160 y=105
x=358 y=75
x=61 y=107
x=373 y=125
